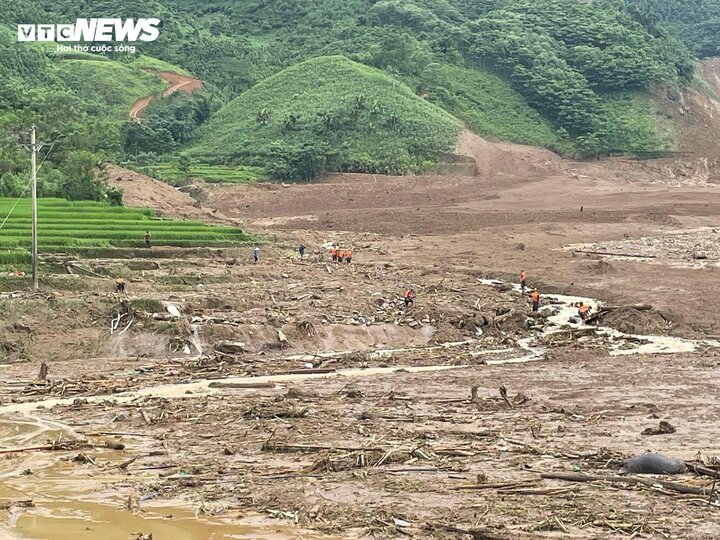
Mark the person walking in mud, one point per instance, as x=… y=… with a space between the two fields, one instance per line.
x=301 y=250
x=147 y=238
x=535 y=299
x=256 y=254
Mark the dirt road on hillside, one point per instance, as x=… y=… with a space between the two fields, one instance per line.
x=176 y=82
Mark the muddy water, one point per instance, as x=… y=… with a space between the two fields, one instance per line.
x=74 y=500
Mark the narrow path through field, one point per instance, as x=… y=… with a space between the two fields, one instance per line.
x=176 y=82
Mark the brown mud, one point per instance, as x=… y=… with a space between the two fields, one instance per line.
x=289 y=390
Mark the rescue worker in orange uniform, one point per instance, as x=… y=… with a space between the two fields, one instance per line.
x=348 y=256
x=535 y=299
x=333 y=254
x=340 y=255
x=409 y=297
x=584 y=313
x=120 y=285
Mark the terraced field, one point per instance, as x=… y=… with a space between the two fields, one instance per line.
x=74 y=226
x=214 y=174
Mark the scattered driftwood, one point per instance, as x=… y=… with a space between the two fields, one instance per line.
x=230 y=347
x=23 y=503
x=503 y=394
x=311 y=371
x=497 y=485
x=614 y=254
x=70 y=445
x=662 y=429
x=475 y=534
x=274 y=446
x=307 y=329
x=636 y=307
x=124 y=465
x=702 y=471
x=673 y=486
x=219 y=384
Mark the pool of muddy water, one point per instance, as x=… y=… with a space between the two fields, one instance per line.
x=85 y=501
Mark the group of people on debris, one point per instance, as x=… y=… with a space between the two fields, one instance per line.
x=584 y=310
x=338 y=254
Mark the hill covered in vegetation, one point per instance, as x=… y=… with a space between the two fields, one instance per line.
x=572 y=76
x=329 y=112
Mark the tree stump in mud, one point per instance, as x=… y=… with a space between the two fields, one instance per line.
x=42 y=375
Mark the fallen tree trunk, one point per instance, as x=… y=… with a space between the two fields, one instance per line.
x=220 y=384
x=613 y=254
x=703 y=471
x=674 y=486
x=637 y=307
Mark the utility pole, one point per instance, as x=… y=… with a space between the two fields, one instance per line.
x=34 y=150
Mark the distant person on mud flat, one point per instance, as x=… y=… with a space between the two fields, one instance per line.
x=256 y=254
x=348 y=256
x=523 y=281
x=340 y=255
x=120 y=285
x=301 y=249
x=409 y=297
x=333 y=254
x=535 y=299
x=147 y=237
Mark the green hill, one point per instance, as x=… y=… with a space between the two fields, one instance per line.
x=329 y=112
x=570 y=75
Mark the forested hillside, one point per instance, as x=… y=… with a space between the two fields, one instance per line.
x=696 y=22
x=569 y=75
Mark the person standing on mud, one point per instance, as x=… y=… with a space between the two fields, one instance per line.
x=348 y=256
x=523 y=281
x=340 y=255
x=301 y=249
x=333 y=254
x=584 y=313
x=256 y=254
x=147 y=237
x=120 y=285
x=409 y=297
x=535 y=299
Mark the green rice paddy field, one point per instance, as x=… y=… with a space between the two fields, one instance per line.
x=73 y=226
